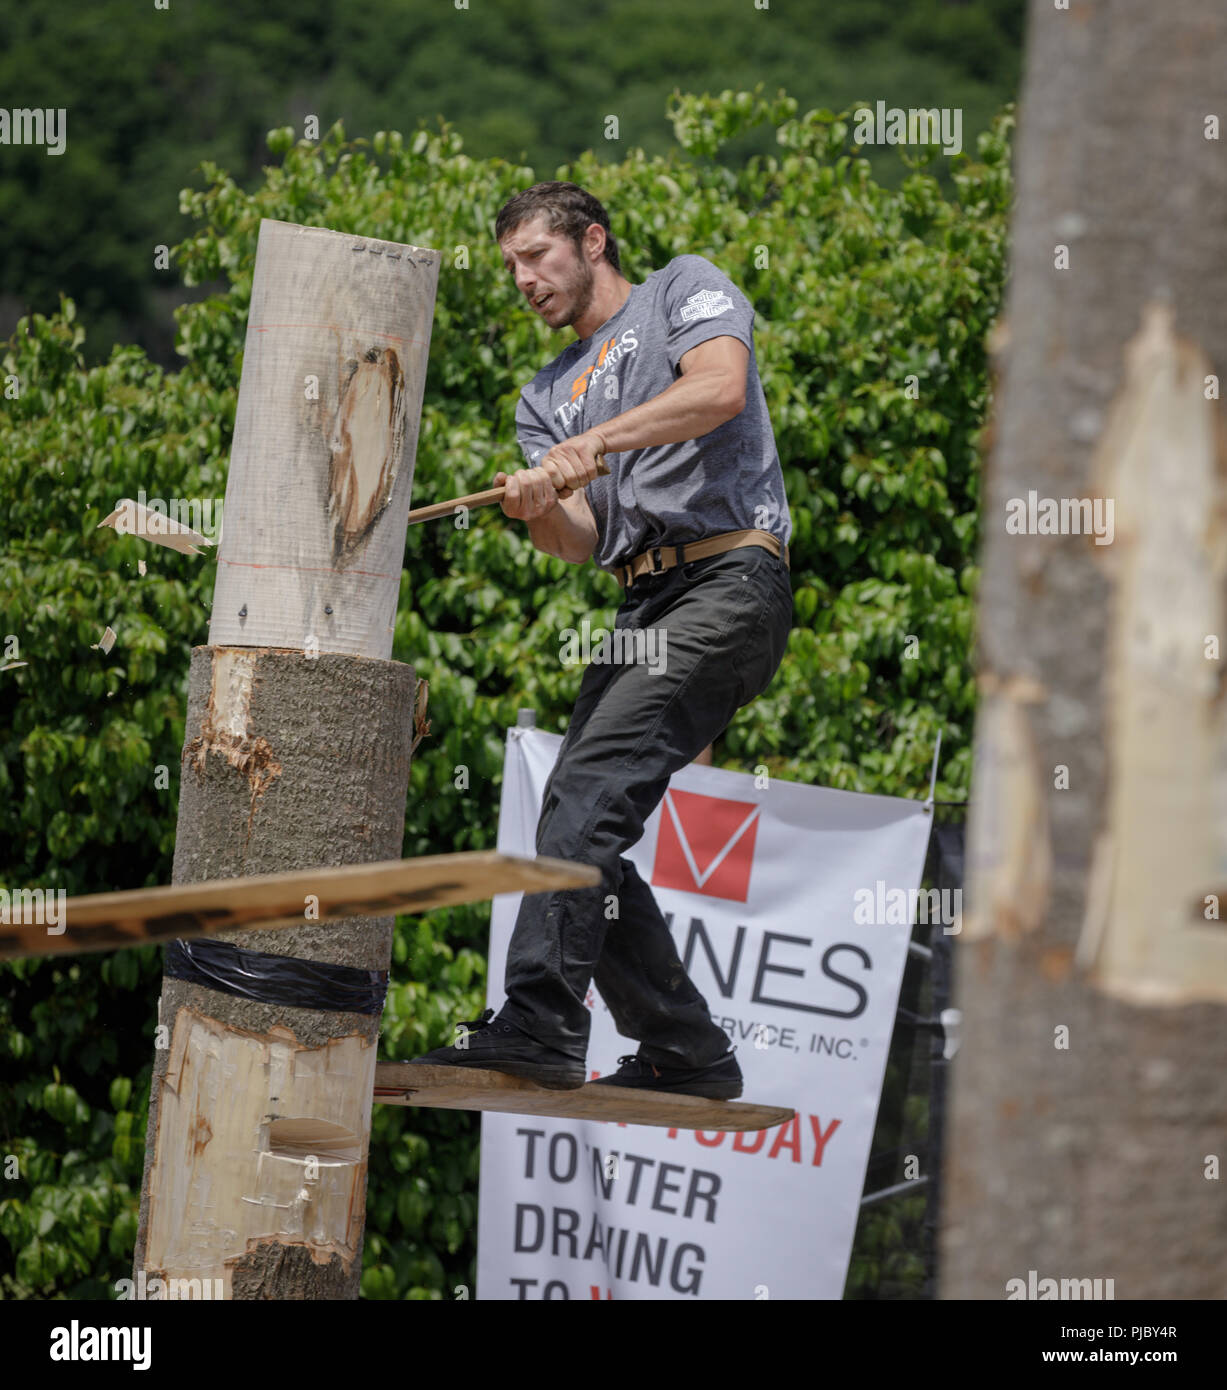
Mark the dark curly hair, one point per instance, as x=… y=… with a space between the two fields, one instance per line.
x=568 y=209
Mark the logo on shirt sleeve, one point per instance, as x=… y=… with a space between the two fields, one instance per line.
x=707 y=304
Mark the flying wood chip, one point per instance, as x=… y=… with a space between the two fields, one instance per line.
x=135 y=519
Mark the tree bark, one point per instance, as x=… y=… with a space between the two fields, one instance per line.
x=1089 y=1089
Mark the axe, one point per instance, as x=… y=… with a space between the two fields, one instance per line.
x=478 y=499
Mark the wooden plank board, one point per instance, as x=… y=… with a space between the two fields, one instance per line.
x=107 y=921
x=471 y=1088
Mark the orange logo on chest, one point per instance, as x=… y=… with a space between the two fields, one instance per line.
x=580 y=384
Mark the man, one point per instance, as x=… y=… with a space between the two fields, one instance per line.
x=693 y=520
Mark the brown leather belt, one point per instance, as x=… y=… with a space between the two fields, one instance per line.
x=664 y=557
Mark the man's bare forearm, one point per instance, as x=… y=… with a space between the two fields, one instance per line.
x=560 y=533
x=710 y=391
x=693 y=406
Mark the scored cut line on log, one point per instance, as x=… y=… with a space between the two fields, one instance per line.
x=107 y=921
x=336 y=328
x=472 y=1088
x=307 y=569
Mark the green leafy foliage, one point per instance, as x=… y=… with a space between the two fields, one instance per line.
x=873 y=305
x=529 y=80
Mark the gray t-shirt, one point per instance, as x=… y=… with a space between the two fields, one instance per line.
x=727 y=480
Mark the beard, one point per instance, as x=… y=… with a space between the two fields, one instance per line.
x=580 y=289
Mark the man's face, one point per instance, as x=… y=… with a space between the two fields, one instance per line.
x=549 y=272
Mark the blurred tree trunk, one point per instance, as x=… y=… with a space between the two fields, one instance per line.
x=1086 y=1120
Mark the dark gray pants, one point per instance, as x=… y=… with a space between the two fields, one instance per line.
x=726 y=620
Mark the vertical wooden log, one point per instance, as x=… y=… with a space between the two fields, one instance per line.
x=325 y=434
x=1086 y=1123
x=296 y=754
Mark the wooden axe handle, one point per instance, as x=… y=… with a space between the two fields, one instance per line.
x=478 y=499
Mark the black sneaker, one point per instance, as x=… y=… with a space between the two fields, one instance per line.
x=496 y=1045
x=720 y=1080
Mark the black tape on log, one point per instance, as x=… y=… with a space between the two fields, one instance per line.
x=268 y=979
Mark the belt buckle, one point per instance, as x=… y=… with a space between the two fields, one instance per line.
x=657 y=565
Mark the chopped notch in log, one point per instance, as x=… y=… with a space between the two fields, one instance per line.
x=367 y=440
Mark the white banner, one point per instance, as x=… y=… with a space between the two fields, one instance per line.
x=791 y=908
